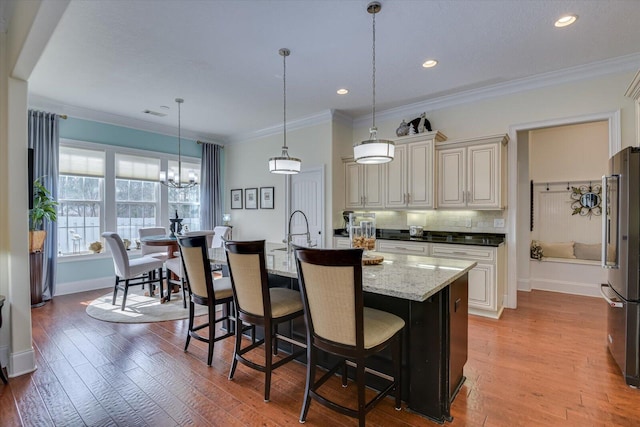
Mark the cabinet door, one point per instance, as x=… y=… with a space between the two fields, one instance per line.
x=353 y=185
x=483 y=178
x=482 y=287
x=396 y=184
x=341 y=243
x=420 y=174
x=451 y=178
x=373 y=185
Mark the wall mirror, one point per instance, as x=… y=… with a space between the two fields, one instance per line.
x=586 y=200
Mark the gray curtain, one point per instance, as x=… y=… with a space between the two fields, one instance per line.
x=44 y=138
x=210 y=187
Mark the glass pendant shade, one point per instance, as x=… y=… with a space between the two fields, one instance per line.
x=284 y=164
x=374 y=150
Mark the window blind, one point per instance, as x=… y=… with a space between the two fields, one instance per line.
x=135 y=167
x=79 y=161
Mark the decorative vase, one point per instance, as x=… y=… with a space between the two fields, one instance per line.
x=36 y=240
x=403 y=129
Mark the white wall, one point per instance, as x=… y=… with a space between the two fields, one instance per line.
x=246 y=166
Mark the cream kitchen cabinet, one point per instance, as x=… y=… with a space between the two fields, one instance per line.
x=403 y=247
x=410 y=176
x=472 y=173
x=364 y=185
x=341 y=243
x=487 y=280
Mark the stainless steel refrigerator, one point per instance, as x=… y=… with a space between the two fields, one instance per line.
x=620 y=255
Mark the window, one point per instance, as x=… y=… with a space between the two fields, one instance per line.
x=80 y=198
x=107 y=188
x=137 y=196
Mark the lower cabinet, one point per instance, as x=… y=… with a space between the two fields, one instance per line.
x=341 y=243
x=486 y=280
x=403 y=247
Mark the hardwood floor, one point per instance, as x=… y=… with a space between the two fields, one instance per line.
x=544 y=364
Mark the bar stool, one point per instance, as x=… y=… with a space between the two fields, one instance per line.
x=339 y=323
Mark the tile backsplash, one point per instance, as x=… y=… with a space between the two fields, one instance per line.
x=460 y=221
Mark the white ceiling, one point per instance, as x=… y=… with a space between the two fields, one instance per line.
x=122 y=57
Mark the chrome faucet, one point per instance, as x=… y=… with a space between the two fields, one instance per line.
x=289 y=239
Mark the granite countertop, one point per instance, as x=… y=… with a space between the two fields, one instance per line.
x=409 y=277
x=475 y=239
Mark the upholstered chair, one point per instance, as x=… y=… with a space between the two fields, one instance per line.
x=159 y=252
x=132 y=271
x=203 y=290
x=256 y=304
x=338 y=323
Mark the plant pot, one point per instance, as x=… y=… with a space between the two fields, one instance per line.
x=36 y=240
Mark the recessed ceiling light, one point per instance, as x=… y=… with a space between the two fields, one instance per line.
x=342 y=91
x=566 y=21
x=164 y=107
x=430 y=63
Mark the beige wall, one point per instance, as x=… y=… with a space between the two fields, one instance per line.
x=246 y=166
x=569 y=153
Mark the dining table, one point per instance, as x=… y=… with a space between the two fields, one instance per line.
x=430 y=295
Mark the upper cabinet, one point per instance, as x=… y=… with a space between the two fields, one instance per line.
x=410 y=176
x=364 y=185
x=471 y=173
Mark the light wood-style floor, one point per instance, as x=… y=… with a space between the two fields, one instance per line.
x=544 y=364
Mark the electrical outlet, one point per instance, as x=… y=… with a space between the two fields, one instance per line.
x=498 y=223
x=467 y=223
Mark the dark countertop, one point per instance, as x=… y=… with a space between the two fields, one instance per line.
x=474 y=239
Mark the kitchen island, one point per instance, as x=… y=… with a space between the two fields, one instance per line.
x=431 y=295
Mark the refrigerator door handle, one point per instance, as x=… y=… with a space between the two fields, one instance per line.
x=612 y=300
x=606 y=224
x=605 y=221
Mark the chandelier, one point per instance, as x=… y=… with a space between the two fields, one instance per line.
x=284 y=164
x=374 y=150
x=169 y=178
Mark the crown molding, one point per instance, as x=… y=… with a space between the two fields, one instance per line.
x=304 y=122
x=41 y=102
x=567 y=75
x=633 y=91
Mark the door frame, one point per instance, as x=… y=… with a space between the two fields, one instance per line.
x=516 y=241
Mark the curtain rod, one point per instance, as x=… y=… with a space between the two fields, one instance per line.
x=206 y=142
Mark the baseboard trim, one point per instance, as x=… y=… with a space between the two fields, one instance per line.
x=22 y=363
x=575 y=288
x=524 y=284
x=84 y=285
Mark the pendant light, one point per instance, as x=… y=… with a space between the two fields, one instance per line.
x=284 y=164
x=169 y=178
x=374 y=150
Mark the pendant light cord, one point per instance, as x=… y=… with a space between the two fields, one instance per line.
x=179 y=145
x=284 y=92
x=374 y=70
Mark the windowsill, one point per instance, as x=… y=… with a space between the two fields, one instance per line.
x=88 y=256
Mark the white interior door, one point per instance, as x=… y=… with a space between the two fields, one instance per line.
x=307 y=195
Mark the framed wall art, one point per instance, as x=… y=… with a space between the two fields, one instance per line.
x=266 y=197
x=251 y=198
x=236 y=198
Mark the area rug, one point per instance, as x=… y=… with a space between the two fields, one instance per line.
x=140 y=308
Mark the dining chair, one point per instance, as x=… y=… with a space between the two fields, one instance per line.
x=208 y=233
x=338 y=323
x=258 y=305
x=159 y=252
x=132 y=272
x=203 y=290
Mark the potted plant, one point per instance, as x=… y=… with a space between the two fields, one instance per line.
x=44 y=209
